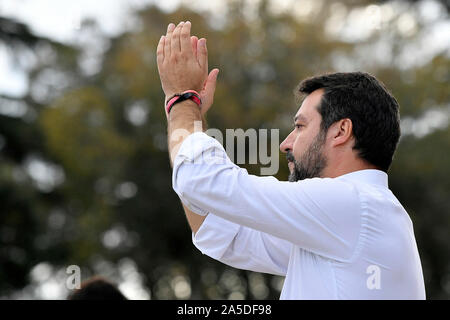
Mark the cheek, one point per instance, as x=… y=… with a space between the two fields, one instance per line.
x=303 y=141
x=300 y=145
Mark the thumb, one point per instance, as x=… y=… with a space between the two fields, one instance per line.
x=207 y=94
x=210 y=85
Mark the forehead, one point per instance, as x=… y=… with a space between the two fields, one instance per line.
x=308 y=109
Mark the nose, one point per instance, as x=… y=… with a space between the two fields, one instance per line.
x=286 y=145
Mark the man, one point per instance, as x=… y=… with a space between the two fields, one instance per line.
x=335 y=230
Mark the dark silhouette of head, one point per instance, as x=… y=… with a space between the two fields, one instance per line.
x=97 y=288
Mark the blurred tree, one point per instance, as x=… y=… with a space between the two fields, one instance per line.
x=103 y=127
x=24 y=206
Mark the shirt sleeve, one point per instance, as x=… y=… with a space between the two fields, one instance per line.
x=242 y=247
x=321 y=215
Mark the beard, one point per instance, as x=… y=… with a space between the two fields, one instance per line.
x=312 y=162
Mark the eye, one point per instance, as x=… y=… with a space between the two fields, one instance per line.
x=298 y=126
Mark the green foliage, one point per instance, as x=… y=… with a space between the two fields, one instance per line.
x=80 y=131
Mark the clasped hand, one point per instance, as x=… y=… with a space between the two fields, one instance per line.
x=183 y=64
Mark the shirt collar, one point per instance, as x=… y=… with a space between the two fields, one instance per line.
x=370 y=176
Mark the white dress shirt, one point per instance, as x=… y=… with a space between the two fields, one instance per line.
x=332 y=238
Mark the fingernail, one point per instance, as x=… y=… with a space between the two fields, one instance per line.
x=188 y=22
x=170 y=26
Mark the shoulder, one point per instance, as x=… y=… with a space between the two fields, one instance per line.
x=335 y=198
x=328 y=189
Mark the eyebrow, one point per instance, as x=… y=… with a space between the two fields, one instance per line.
x=301 y=118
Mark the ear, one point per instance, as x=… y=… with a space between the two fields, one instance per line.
x=342 y=132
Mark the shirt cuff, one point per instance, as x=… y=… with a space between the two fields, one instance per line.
x=197 y=148
x=214 y=236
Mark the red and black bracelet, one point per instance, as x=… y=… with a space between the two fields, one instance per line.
x=179 y=97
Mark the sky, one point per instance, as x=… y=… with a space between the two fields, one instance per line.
x=61 y=19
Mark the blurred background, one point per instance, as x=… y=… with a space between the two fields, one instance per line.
x=84 y=171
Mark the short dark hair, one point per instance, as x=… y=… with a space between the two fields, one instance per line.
x=363 y=99
x=97 y=288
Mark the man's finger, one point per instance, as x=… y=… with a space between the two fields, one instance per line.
x=185 y=39
x=194 y=41
x=160 y=51
x=175 y=41
x=202 y=53
x=167 y=40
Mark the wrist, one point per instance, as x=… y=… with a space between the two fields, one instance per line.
x=177 y=98
x=187 y=112
x=185 y=104
x=171 y=93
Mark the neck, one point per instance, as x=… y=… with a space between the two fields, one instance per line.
x=342 y=167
